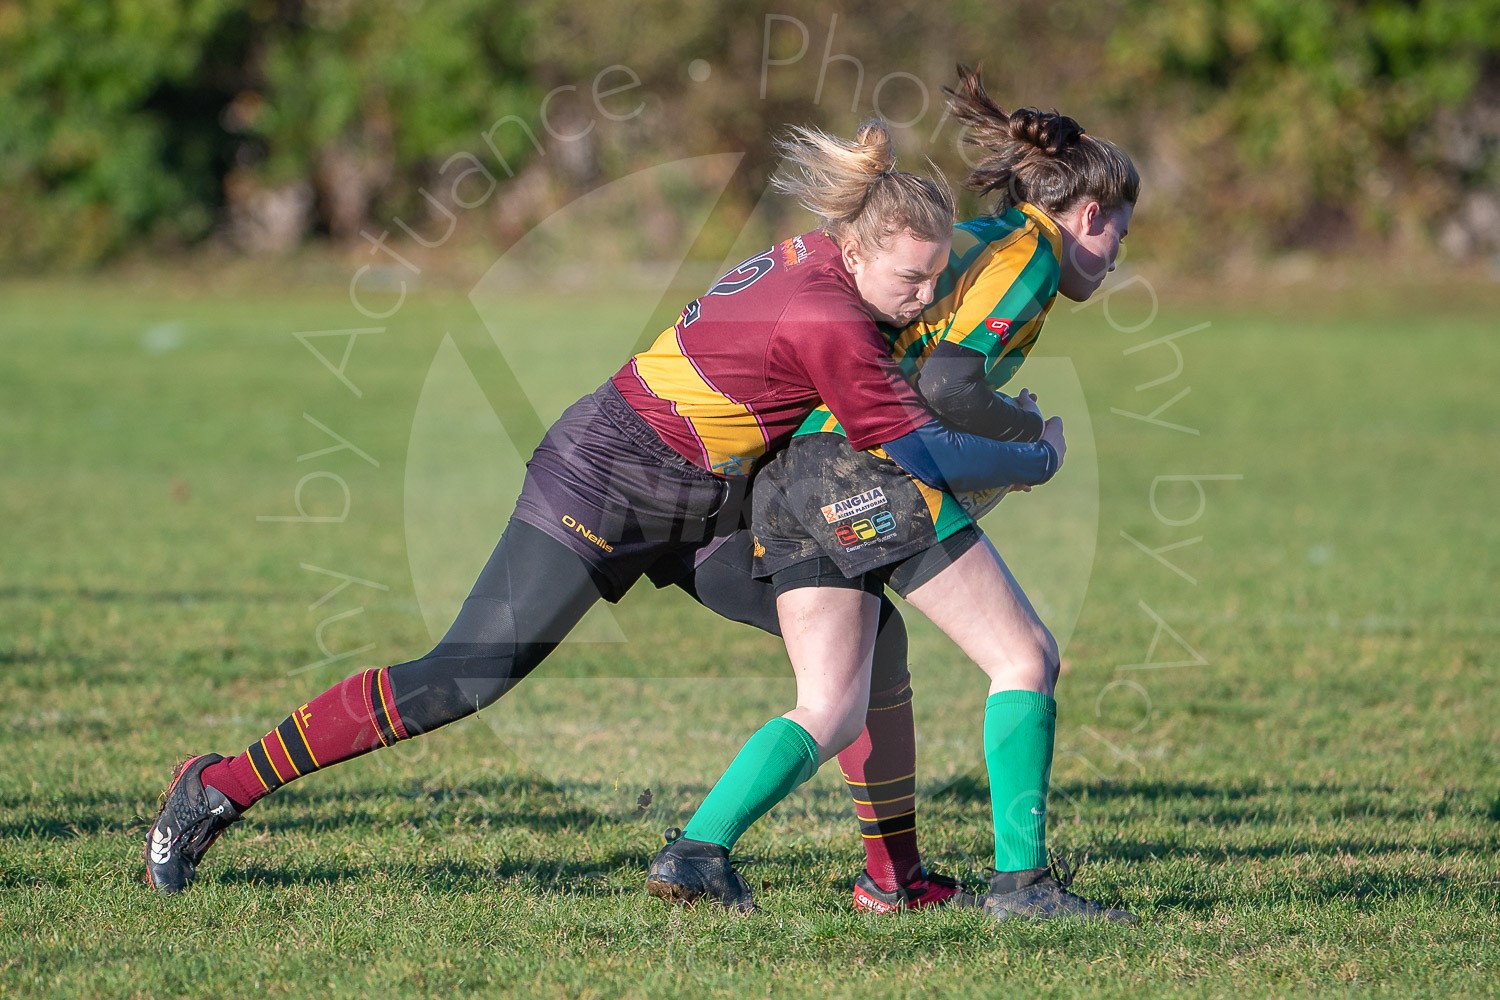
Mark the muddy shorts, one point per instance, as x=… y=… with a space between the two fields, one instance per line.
x=821 y=502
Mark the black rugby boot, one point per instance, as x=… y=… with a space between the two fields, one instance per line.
x=191 y=817
x=686 y=871
x=1042 y=894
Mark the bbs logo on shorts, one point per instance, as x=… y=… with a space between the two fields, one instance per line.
x=865 y=529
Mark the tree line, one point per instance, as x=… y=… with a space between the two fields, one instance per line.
x=1261 y=124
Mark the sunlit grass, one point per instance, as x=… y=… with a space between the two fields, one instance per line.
x=1308 y=804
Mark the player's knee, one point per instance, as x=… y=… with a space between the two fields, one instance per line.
x=844 y=732
x=446 y=685
x=1028 y=661
x=489 y=682
x=833 y=726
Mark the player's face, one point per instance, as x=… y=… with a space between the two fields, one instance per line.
x=896 y=283
x=1091 y=244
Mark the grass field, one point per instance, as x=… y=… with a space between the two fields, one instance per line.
x=1309 y=804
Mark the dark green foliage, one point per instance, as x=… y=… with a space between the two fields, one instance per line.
x=138 y=119
x=90 y=153
x=394 y=87
x=1311 y=121
x=1259 y=123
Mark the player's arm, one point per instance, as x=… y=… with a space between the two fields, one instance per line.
x=848 y=362
x=1011 y=293
x=945 y=458
x=842 y=355
x=954 y=385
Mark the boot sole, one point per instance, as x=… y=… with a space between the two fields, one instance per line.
x=675 y=895
x=671 y=893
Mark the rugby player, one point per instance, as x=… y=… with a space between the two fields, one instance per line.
x=835 y=522
x=647 y=476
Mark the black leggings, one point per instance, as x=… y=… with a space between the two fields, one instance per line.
x=532 y=592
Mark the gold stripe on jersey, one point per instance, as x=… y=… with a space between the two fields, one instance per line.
x=934 y=497
x=919 y=338
x=729 y=432
x=1010 y=284
x=821 y=419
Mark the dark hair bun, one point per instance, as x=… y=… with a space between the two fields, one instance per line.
x=1036 y=156
x=1046 y=130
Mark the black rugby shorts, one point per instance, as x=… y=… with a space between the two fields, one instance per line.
x=821 y=505
x=606 y=485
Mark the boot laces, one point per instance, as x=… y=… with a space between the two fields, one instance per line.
x=1062 y=870
x=189 y=832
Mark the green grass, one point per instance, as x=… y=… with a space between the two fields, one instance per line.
x=1313 y=810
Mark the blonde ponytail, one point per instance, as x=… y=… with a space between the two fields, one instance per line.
x=853 y=188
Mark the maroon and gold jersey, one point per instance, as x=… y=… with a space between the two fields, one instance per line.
x=745 y=363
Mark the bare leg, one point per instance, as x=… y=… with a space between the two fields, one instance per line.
x=879 y=767
x=830 y=638
x=978 y=604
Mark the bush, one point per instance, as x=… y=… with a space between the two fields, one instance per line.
x=146 y=119
x=90 y=155
x=1262 y=123
x=1299 y=122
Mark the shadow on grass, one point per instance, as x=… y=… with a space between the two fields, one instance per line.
x=532 y=802
x=1235 y=804
x=535 y=801
x=115 y=596
x=1162 y=850
x=76 y=828
x=597 y=876
x=355 y=818
x=1358 y=886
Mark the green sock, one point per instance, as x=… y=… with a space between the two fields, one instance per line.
x=1019 y=727
x=778 y=758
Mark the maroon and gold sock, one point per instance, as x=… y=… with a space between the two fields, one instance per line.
x=353 y=717
x=881 y=770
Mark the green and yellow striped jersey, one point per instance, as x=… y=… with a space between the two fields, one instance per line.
x=993 y=298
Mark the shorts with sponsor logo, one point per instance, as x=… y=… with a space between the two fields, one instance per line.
x=820 y=498
x=604 y=483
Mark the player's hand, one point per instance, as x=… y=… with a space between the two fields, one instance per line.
x=1052 y=433
x=1026 y=400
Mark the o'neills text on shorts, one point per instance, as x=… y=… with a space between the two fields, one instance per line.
x=569 y=521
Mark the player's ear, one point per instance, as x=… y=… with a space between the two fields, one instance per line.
x=849 y=250
x=1090 y=216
